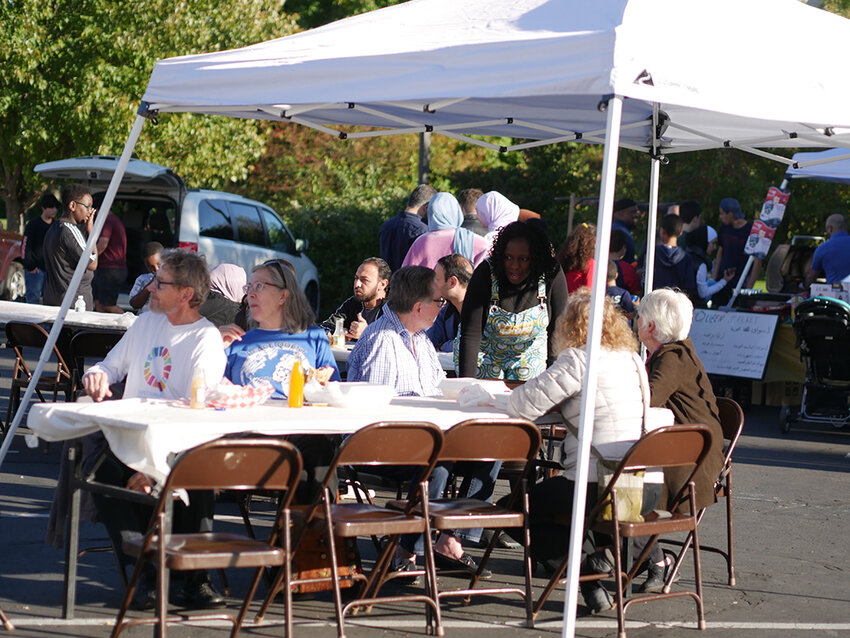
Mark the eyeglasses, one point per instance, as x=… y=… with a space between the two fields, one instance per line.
x=257 y=287
x=439 y=301
x=159 y=283
x=88 y=206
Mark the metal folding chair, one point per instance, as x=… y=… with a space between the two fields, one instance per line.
x=732 y=424
x=89 y=344
x=398 y=444
x=235 y=464
x=7 y=624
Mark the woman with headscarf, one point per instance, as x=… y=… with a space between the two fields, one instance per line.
x=224 y=301
x=510 y=307
x=495 y=211
x=702 y=243
x=445 y=236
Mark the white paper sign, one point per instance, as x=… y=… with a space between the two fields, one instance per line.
x=734 y=344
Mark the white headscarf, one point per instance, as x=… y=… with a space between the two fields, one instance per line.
x=496 y=211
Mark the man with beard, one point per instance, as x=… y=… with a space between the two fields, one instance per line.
x=367 y=302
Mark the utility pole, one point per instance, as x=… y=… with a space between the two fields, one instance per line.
x=424 y=157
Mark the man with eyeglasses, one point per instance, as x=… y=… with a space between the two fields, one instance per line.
x=158 y=355
x=65 y=242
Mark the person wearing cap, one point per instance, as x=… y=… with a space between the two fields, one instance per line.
x=731 y=240
x=625 y=219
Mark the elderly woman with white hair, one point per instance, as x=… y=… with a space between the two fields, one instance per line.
x=678 y=381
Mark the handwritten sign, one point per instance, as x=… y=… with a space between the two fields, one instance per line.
x=734 y=344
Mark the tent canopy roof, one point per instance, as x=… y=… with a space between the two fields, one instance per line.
x=832 y=165
x=538 y=69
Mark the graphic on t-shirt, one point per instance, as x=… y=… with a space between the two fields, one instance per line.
x=272 y=362
x=158 y=368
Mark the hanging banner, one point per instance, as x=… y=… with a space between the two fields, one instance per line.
x=761 y=234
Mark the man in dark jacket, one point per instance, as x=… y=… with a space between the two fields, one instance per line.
x=367 y=302
x=673 y=265
x=32 y=249
x=398 y=233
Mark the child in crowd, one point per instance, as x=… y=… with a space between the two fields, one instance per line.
x=139 y=294
x=621 y=297
x=626 y=276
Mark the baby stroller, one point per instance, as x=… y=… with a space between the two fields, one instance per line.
x=822 y=325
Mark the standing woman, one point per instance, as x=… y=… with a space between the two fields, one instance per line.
x=576 y=257
x=510 y=308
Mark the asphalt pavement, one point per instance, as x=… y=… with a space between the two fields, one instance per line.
x=792 y=539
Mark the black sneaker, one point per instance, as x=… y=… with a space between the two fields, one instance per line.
x=200 y=593
x=655 y=580
x=144 y=596
x=464 y=564
x=599 y=562
x=596 y=598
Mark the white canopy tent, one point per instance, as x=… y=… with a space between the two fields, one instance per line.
x=832 y=165
x=660 y=76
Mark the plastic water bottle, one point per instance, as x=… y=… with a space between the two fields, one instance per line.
x=80 y=304
x=339 y=331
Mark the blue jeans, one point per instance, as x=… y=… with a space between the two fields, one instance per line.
x=35 y=284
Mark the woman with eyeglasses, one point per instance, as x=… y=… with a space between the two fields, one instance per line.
x=283 y=333
x=510 y=307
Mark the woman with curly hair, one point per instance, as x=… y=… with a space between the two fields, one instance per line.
x=617 y=423
x=510 y=307
x=576 y=256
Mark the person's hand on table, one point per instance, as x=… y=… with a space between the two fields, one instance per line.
x=97 y=385
x=140 y=483
x=230 y=333
x=356 y=328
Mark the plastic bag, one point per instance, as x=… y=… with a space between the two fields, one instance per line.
x=629 y=492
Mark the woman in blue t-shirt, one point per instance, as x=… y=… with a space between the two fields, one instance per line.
x=284 y=333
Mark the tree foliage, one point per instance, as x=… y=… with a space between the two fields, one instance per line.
x=75 y=70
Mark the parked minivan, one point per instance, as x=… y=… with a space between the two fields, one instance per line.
x=155 y=205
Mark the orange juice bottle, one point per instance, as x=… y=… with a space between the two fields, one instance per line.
x=197 y=394
x=296 y=386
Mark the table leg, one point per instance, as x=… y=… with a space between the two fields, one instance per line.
x=72 y=529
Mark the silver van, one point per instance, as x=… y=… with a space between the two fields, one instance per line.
x=155 y=205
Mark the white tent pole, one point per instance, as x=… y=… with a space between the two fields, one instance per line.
x=594 y=337
x=75 y=282
x=652 y=213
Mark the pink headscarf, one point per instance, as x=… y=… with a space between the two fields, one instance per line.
x=496 y=211
x=229 y=280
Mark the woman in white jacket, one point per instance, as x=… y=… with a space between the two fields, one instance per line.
x=617 y=424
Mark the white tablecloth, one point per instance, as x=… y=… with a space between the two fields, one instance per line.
x=36 y=313
x=142 y=433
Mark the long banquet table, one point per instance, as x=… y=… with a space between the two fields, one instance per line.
x=36 y=313
x=145 y=433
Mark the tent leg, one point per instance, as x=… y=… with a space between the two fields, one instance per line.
x=75 y=282
x=594 y=334
x=652 y=214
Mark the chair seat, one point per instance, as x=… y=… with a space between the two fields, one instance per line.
x=362 y=519
x=654 y=523
x=210 y=550
x=466 y=513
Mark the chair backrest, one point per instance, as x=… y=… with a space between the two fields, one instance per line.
x=94 y=344
x=413 y=443
x=671 y=446
x=25 y=334
x=732 y=424
x=237 y=464
x=498 y=440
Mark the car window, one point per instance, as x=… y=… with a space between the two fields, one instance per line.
x=248 y=224
x=213 y=220
x=279 y=237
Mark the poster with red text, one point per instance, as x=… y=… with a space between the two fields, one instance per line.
x=765 y=226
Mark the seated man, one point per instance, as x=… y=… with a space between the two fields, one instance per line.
x=159 y=354
x=395 y=351
x=832 y=258
x=367 y=302
x=453 y=275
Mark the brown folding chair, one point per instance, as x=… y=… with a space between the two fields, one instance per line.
x=397 y=444
x=235 y=464
x=673 y=446
x=90 y=344
x=732 y=424
x=23 y=334
x=7 y=624
x=508 y=440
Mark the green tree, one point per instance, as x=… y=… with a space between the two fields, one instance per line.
x=75 y=70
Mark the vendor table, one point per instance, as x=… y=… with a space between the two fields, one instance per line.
x=144 y=433
x=36 y=313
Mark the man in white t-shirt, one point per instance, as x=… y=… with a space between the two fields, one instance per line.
x=158 y=355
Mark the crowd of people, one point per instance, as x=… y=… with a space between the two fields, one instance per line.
x=474 y=275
